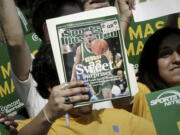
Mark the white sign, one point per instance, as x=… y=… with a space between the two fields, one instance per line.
x=150 y=9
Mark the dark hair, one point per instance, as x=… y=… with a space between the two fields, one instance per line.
x=46 y=9
x=148 y=72
x=44 y=70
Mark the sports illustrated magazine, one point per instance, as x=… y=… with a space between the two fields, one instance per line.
x=91 y=48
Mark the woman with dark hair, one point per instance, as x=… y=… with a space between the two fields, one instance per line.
x=159 y=67
x=159 y=47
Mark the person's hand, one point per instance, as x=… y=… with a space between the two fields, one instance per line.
x=73 y=78
x=63 y=97
x=9 y=123
x=125 y=7
x=89 y=5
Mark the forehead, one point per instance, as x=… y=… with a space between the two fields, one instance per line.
x=87 y=33
x=171 y=41
x=68 y=8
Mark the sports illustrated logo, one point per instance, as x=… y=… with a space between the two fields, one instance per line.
x=167 y=98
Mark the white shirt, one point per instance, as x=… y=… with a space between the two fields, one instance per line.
x=29 y=95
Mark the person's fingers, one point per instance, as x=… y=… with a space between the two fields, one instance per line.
x=2 y=115
x=10 y=118
x=3 y=119
x=74 y=95
x=13 y=130
x=131 y=4
x=77 y=98
x=10 y=123
x=74 y=91
x=71 y=84
x=134 y=3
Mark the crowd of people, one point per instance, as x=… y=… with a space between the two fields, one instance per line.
x=47 y=101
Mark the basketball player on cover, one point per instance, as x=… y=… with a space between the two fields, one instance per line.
x=85 y=60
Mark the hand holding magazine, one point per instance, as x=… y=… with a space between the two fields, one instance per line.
x=89 y=46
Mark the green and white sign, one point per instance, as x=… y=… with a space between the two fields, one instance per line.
x=137 y=35
x=9 y=100
x=165 y=109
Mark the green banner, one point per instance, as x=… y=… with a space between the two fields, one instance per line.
x=9 y=100
x=165 y=110
x=138 y=33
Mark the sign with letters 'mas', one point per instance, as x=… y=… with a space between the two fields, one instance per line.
x=9 y=100
x=137 y=35
x=165 y=109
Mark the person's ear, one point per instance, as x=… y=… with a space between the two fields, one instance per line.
x=46 y=34
x=49 y=89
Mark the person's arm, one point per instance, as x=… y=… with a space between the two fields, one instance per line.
x=56 y=107
x=124 y=7
x=77 y=61
x=17 y=48
x=172 y=20
x=125 y=10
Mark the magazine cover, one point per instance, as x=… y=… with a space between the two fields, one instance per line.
x=165 y=109
x=88 y=46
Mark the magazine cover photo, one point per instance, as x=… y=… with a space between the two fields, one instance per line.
x=91 y=52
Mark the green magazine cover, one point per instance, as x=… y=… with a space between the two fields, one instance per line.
x=89 y=46
x=165 y=110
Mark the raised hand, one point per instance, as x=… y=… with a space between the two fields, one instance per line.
x=63 y=97
x=9 y=123
x=125 y=8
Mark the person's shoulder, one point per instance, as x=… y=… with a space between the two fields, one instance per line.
x=22 y=123
x=143 y=88
x=140 y=95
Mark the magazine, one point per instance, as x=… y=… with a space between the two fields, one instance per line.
x=150 y=9
x=89 y=46
x=165 y=109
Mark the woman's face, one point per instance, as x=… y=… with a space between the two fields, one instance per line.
x=169 y=60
